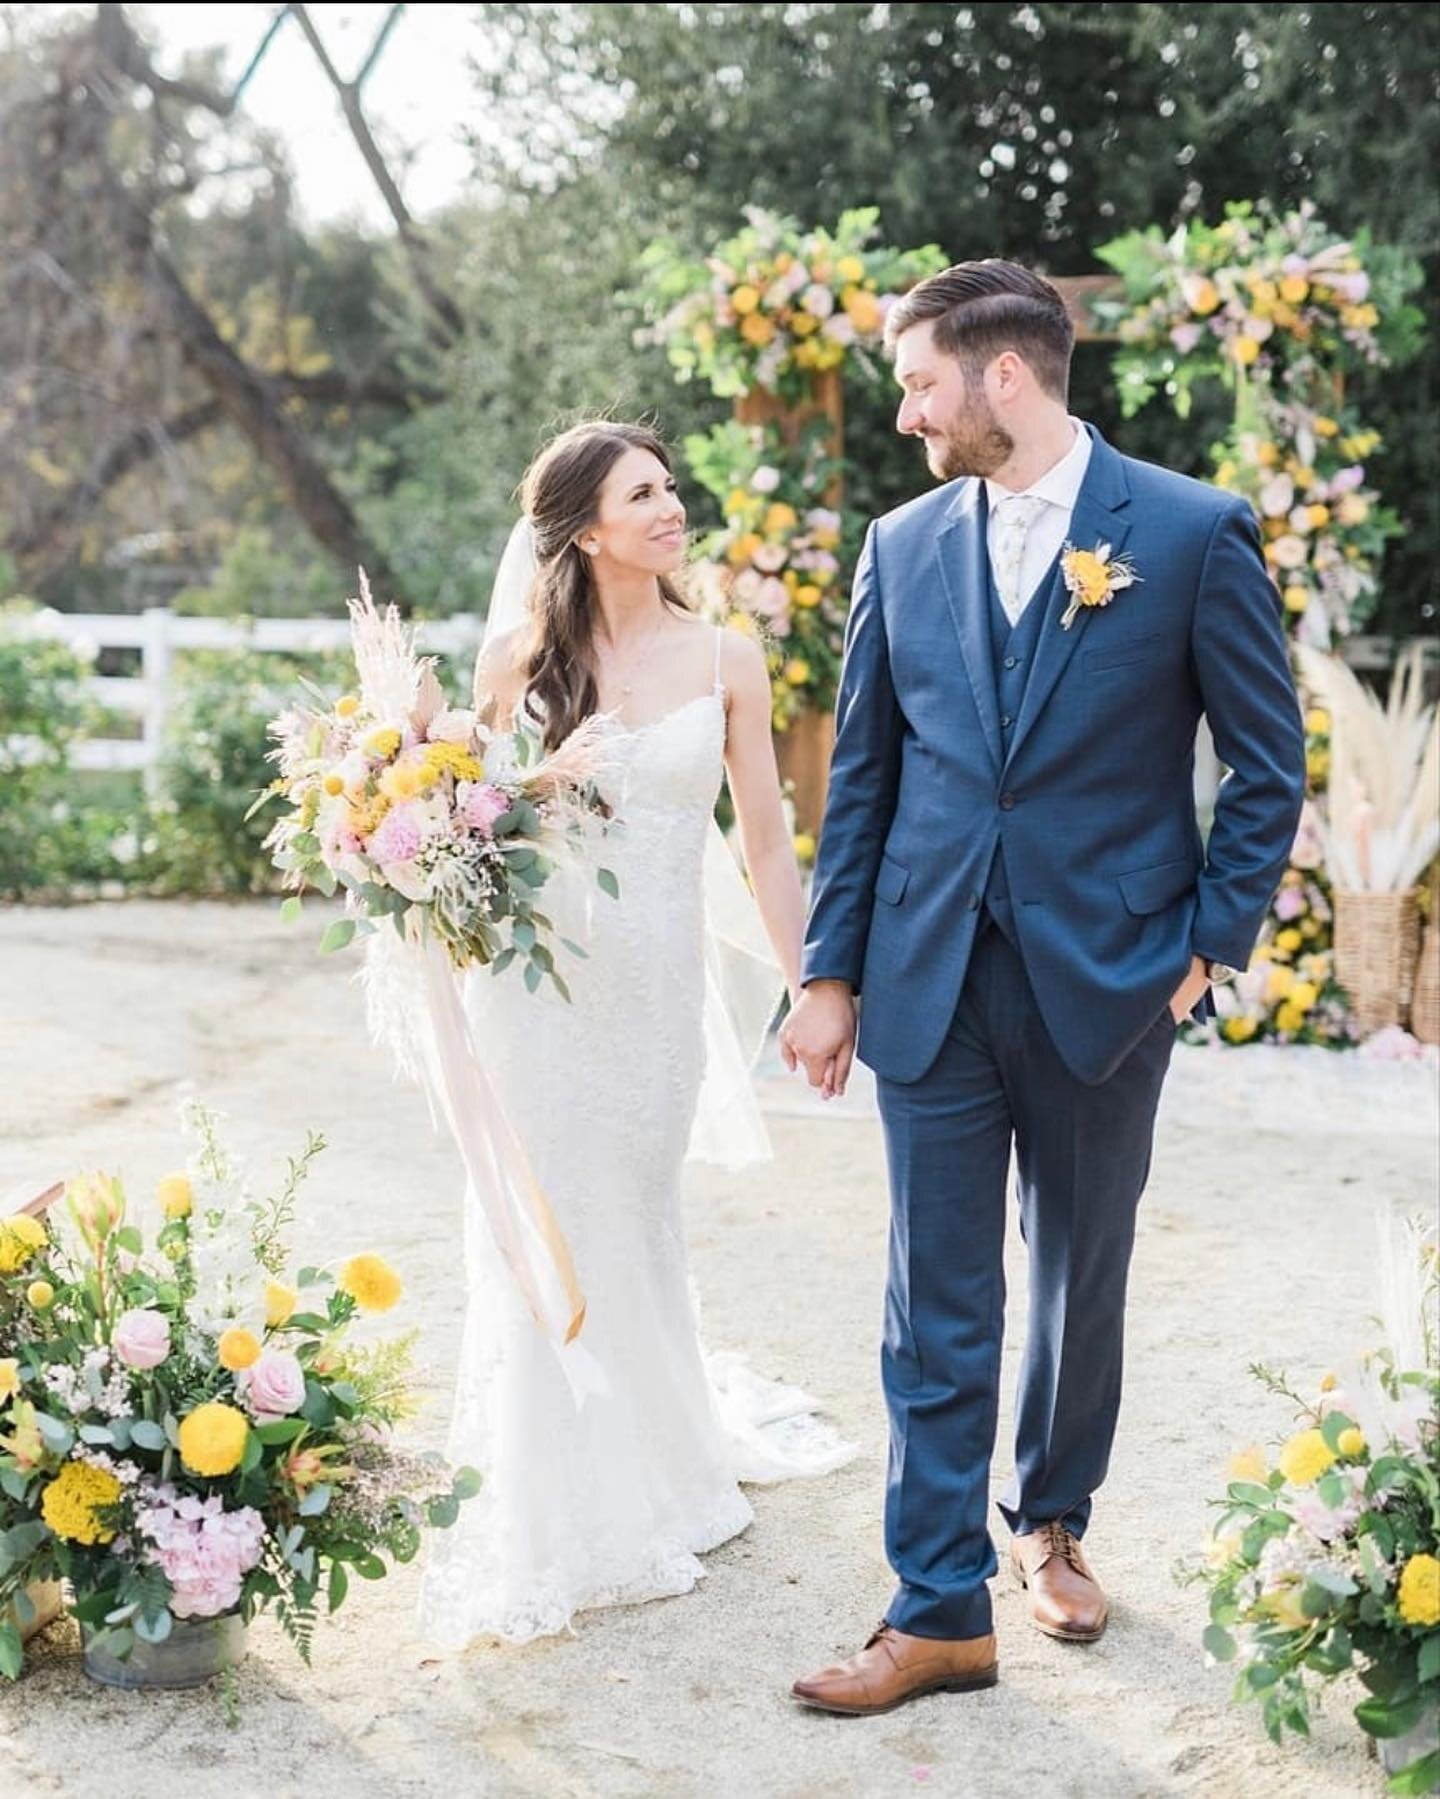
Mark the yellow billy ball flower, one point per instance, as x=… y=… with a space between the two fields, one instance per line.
x=1239 y=1029
x=20 y=1236
x=1289 y=940
x=1317 y=764
x=1267 y=454
x=1317 y=721
x=347 y=705
x=1318 y=516
x=1289 y=1018
x=797 y=671
x=176 y=1196
x=333 y=784
x=1305 y=1458
x=1294 y=289
x=1244 y=350
x=1296 y=597
x=1303 y=995
x=803 y=323
x=1249 y=1464
x=212 y=1438
x=72 y=1499
x=371 y=1282
x=804 y=848
x=1419 y=1592
x=238 y=1349
x=1324 y=427
x=745 y=298
x=1328 y=1383
x=779 y=517
x=41 y=1295
x=807 y=595
x=850 y=268
x=280 y=1303
x=9 y=1378
x=383 y=742
x=1351 y=1443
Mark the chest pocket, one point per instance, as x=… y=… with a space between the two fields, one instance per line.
x=1122 y=653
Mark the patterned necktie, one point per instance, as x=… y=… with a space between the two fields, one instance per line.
x=1014 y=515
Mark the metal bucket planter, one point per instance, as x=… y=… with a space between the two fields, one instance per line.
x=196 y=1650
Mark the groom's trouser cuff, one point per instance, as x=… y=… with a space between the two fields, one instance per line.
x=946 y=1616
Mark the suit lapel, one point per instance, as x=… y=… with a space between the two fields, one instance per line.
x=964 y=557
x=1097 y=518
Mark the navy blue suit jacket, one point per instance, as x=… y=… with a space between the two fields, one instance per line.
x=1093 y=797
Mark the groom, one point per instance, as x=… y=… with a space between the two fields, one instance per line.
x=1013 y=892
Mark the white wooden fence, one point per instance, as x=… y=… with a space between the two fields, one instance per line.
x=157 y=633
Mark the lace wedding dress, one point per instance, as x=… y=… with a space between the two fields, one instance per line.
x=610 y=1502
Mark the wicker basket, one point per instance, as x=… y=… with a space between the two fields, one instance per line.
x=1377 y=942
x=1425 y=1001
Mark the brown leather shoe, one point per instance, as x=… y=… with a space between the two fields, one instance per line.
x=893 y=1667
x=1066 y=1600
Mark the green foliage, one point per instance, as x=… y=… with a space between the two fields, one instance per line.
x=258 y=579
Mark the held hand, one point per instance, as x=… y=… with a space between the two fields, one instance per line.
x=820 y=1035
x=1189 y=990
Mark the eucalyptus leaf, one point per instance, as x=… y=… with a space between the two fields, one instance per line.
x=337 y=934
x=315 y=1501
x=145 y=1433
x=1219 y=1643
x=290 y=909
x=156 y=1629
x=12 y=1652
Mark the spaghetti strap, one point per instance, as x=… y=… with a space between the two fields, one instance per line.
x=719 y=643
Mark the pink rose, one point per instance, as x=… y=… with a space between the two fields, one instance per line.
x=398 y=836
x=142 y=1338
x=272 y=1387
x=481 y=805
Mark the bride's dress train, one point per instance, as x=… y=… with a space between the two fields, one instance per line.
x=611 y=1502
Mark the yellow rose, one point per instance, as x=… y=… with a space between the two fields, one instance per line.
x=1285 y=1606
x=779 y=517
x=1317 y=721
x=1239 y=1029
x=1353 y=509
x=1318 y=516
x=863 y=311
x=1288 y=940
x=804 y=848
x=280 y=1304
x=757 y=329
x=1203 y=295
x=1351 y=1443
x=745 y=299
x=370 y=1282
x=1289 y=1018
x=347 y=706
x=9 y=1377
x=744 y=547
x=1305 y=1458
x=1296 y=597
x=1325 y=427
x=212 y=1439
x=41 y=1295
x=1264 y=290
x=20 y=1237
x=402 y=782
x=803 y=323
x=1294 y=289
x=238 y=1349
x=176 y=1196
x=1249 y=1464
x=850 y=268
x=1303 y=995
x=1278 y=984
x=807 y=595
x=1244 y=350
x=1267 y=454
x=1419 y=1591
x=1317 y=764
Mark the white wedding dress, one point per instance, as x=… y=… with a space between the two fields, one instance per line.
x=610 y=1502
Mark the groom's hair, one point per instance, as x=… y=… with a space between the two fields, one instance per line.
x=982 y=308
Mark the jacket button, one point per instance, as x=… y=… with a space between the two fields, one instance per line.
x=1012 y=662
x=1006 y=721
x=1007 y=802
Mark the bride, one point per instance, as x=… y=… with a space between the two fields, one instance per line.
x=611 y=1501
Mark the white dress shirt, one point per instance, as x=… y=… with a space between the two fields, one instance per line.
x=1024 y=539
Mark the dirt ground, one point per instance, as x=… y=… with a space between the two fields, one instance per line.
x=1256 y=1242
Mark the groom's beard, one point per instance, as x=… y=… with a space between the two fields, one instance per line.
x=975 y=445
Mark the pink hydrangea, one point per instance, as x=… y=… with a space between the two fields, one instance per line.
x=398 y=837
x=1289 y=903
x=204 y=1551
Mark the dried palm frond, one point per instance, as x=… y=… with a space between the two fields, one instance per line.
x=1384 y=800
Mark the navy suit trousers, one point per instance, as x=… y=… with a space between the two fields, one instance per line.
x=1083 y=1156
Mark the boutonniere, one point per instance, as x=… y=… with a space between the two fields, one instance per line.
x=1093 y=578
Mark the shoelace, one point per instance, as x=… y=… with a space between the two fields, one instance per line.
x=1059 y=1541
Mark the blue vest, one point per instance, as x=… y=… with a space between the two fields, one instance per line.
x=1012 y=655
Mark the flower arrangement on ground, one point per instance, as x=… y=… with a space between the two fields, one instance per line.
x=1327 y=1561
x=188 y=1431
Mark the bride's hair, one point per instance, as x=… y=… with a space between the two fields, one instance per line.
x=561 y=495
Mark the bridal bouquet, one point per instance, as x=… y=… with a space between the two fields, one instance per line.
x=1328 y=1562
x=186 y=1430
x=422 y=816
